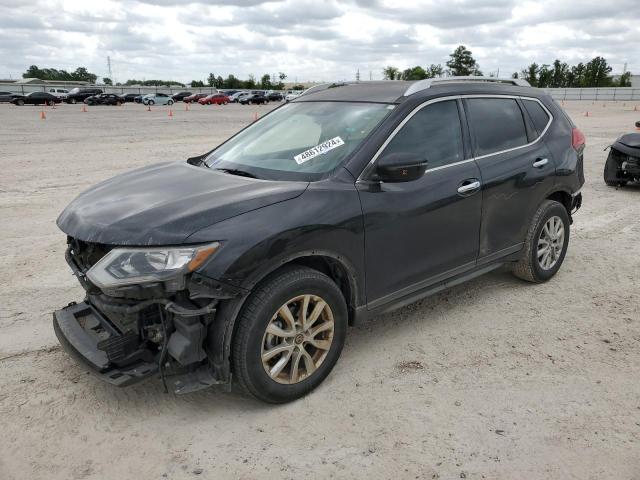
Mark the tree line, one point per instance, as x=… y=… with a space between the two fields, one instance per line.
x=595 y=73
x=82 y=74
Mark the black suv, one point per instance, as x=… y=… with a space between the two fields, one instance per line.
x=251 y=260
x=81 y=94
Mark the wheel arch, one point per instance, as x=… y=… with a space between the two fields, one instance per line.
x=563 y=197
x=222 y=330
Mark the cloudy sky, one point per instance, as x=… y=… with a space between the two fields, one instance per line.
x=309 y=39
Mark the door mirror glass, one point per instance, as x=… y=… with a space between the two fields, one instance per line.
x=400 y=167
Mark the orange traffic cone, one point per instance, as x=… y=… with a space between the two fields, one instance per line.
x=171 y=113
x=42 y=115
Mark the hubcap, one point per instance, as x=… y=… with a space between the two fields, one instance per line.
x=297 y=339
x=550 y=243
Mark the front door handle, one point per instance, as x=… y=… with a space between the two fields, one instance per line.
x=468 y=186
x=540 y=162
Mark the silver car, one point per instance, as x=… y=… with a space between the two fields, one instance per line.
x=157 y=98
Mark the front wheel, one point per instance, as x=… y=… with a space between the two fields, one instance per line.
x=612 y=173
x=20 y=102
x=546 y=243
x=289 y=335
x=151 y=102
x=170 y=102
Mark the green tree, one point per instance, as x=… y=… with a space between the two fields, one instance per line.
x=232 y=82
x=211 y=80
x=462 y=63
x=415 y=73
x=597 y=73
x=530 y=74
x=219 y=82
x=559 y=74
x=545 y=75
x=250 y=82
x=624 y=80
x=435 y=71
x=265 y=82
x=197 y=83
x=391 y=73
x=107 y=81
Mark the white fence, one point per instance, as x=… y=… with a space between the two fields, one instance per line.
x=614 y=94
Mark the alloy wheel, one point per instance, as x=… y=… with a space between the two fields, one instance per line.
x=297 y=339
x=550 y=243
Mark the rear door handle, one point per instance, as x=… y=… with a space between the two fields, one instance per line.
x=469 y=186
x=540 y=162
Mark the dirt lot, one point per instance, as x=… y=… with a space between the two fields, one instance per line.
x=493 y=379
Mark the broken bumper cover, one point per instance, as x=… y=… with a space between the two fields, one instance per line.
x=79 y=328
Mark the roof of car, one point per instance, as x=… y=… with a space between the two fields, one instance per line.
x=398 y=91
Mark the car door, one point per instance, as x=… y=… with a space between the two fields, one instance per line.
x=517 y=171
x=419 y=232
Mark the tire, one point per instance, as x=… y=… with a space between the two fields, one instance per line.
x=51 y=103
x=288 y=287
x=531 y=267
x=73 y=101
x=20 y=102
x=151 y=102
x=118 y=104
x=170 y=102
x=611 y=172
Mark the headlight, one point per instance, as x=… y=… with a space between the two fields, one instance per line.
x=129 y=266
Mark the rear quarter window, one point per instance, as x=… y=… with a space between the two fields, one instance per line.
x=497 y=124
x=538 y=115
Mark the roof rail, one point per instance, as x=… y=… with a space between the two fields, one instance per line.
x=323 y=86
x=429 y=82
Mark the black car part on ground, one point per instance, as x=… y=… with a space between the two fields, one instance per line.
x=623 y=163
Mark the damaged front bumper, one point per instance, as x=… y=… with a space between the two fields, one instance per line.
x=80 y=328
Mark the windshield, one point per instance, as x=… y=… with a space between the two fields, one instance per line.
x=299 y=141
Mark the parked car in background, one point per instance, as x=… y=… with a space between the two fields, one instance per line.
x=216 y=98
x=36 y=98
x=78 y=94
x=249 y=262
x=254 y=98
x=235 y=98
x=59 y=92
x=6 y=97
x=178 y=97
x=275 y=97
x=105 y=99
x=194 y=98
x=157 y=98
x=130 y=97
x=293 y=95
x=228 y=93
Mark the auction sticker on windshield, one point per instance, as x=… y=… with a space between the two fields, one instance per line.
x=321 y=149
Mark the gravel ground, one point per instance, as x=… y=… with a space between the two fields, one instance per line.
x=495 y=378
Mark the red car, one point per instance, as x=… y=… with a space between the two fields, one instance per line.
x=194 y=98
x=216 y=98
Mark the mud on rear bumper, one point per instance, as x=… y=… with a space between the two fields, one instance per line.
x=79 y=328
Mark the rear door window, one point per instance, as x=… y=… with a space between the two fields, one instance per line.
x=434 y=133
x=497 y=124
x=538 y=115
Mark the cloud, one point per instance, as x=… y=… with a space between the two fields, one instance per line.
x=309 y=39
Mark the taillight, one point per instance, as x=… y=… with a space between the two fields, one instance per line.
x=577 y=140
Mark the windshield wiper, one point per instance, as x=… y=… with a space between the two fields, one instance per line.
x=235 y=171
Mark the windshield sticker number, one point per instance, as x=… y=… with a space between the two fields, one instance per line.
x=321 y=149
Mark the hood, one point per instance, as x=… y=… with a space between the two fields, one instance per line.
x=164 y=204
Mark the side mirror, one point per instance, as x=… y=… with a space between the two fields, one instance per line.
x=400 y=167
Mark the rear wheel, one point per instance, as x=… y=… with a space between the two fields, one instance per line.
x=546 y=243
x=20 y=102
x=290 y=334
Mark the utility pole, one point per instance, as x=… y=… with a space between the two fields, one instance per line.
x=358 y=75
x=370 y=75
x=109 y=68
